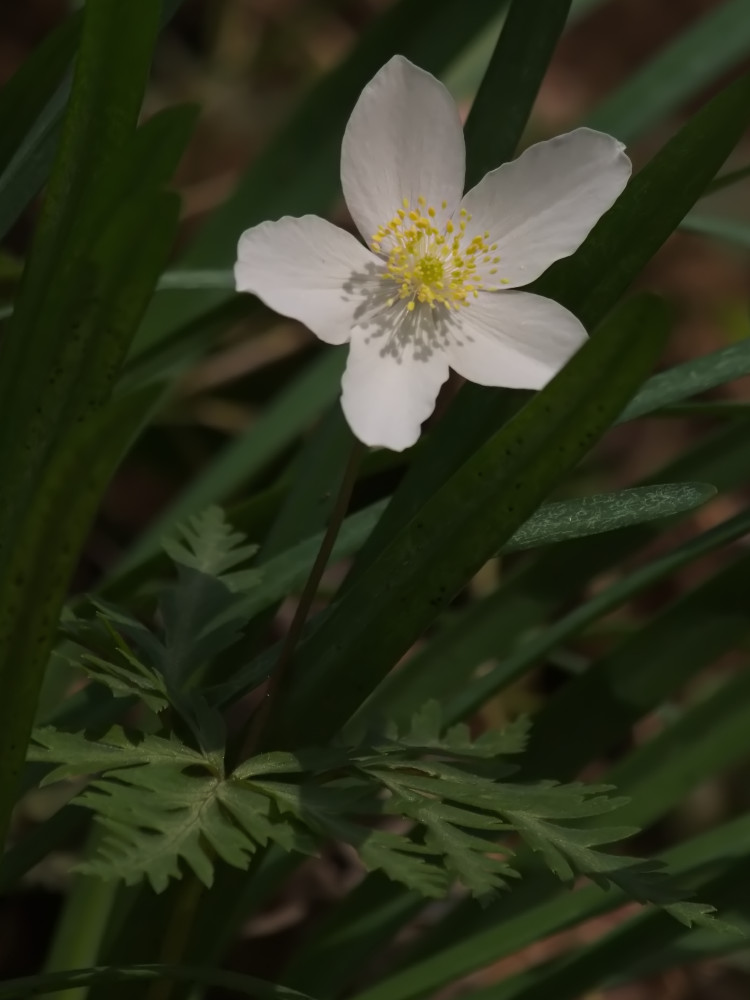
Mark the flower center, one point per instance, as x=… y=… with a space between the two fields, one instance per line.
x=433 y=265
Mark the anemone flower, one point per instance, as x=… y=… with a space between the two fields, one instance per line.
x=434 y=289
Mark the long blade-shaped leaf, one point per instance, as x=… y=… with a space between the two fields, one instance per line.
x=707 y=49
x=593 y=711
x=508 y=90
x=589 y=283
x=467 y=520
x=107 y=975
x=84 y=290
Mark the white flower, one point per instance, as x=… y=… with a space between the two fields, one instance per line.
x=433 y=291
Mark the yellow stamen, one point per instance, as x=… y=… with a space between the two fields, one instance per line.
x=431 y=265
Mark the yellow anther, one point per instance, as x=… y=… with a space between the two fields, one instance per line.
x=428 y=263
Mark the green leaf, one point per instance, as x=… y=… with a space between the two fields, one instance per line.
x=652 y=206
x=707 y=737
x=551 y=523
x=593 y=711
x=182 y=819
x=656 y=775
x=156 y=150
x=592 y=515
x=31 y=104
x=210 y=546
x=36 y=578
x=474 y=637
x=594 y=965
x=589 y=282
x=521 y=919
x=466 y=522
x=689 y=379
x=511 y=82
x=235 y=465
x=31 y=107
x=707 y=49
x=108 y=975
x=160 y=803
x=728 y=179
x=115 y=749
x=84 y=289
x=726 y=230
x=315 y=476
x=200 y=616
x=100 y=650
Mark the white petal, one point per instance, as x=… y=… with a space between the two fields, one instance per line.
x=309 y=270
x=542 y=206
x=513 y=339
x=403 y=140
x=392 y=379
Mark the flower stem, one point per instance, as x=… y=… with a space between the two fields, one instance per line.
x=256 y=727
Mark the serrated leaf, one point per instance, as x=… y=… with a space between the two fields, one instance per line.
x=80 y=754
x=466 y=856
x=200 y=615
x=208 y=543
x=177 y=820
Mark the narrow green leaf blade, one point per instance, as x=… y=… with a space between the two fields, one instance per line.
x=592 y=515
x=31 y=104
x=597 y=708
x=467 y=520
x=309 y=395
x=510 y=85
x=589 y=283
x=689 y=379
x=710 y=47
x=653 y=206
x=108 y=975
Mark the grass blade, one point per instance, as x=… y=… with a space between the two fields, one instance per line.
x=83 y=292
x=467 y=520
x=710 y=47
x=510 y=85
x=141 y=975
x=689 y=379
x=593 y=711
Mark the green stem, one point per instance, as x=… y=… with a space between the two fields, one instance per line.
x=80 y=929
x=253 y=734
